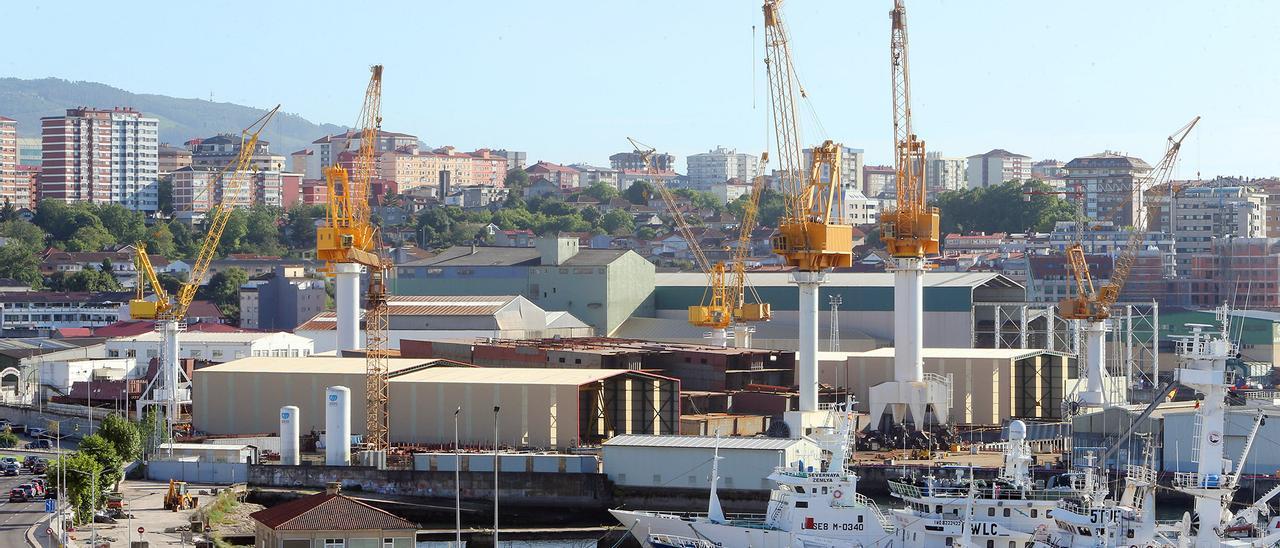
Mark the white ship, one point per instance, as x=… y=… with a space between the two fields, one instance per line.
x=1005 y=512
x=807 y=508
x=1096 y=520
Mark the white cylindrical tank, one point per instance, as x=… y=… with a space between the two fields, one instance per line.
x=337 y=426
x=289 y=435
x=1017 y=430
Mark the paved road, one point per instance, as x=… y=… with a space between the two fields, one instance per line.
x=17 y=517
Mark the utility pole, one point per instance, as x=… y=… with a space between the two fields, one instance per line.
x=457 y=483
x=495 y=475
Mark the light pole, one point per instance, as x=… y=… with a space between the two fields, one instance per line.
x=495 y=475
x=457 y=483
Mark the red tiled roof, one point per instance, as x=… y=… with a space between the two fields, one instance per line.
x=328 y=512
x=70 y=332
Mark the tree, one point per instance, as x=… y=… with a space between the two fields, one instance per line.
x=602 y=192
x=646 y=233
x=700 y=199
x=123 y=435
x=516 y=179
x=21 y=263
x=125 y=225
x=81 y=470
x=1003 y=208
x=152 y=429
x=185 y=241
x=770 y=209
x=24 y=232
x=300 y=229
x=618 y=223
x=88 y=280
x=92 y=237
x=170 y=282
x=105 y=453
x=8 y=440
x=223 y=290
x=7 y=211
x=160 y=241
x=640 y=192
x=164 y=193
x=233 y=234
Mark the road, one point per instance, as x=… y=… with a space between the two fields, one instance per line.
x=17 y=517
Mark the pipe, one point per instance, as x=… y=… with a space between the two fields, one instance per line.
x=908 y=320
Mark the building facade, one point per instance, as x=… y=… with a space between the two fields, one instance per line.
x=720 y=165
x=852 y=161
x=1111 y=186
x=325 y=150
x=635 y=161
x=563 y=176
x=589 y=175
x=40 y=313
x=172 y=158
x=943 y=174
x=516 y=159
x=101 y=156
x=1239 y=271
x=283 y=301
x=1203 y=214
x=996 y=167
x=878 y=180
x=223 y=150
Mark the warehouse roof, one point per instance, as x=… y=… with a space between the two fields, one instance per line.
x=859 y=279
x=328 y=512
x=212 y=336
x=702 y=442
x=314 y=365
x=514 y=256
x=515 y=375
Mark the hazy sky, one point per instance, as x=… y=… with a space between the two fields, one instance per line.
x=569 y=80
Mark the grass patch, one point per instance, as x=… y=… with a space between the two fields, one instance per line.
x=220 y=512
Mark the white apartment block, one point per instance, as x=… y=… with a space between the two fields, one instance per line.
x=720 y=165
x=996 y=167
x=45 y=311
x=10 y=191
x=216 y=347
x=101 y=156
x=859 y=209
x=943 y=174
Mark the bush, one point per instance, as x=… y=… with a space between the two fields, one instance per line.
x=8 y=440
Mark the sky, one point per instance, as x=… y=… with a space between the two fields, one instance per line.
x=568 y=81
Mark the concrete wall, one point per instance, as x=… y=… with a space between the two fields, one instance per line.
x=249 y=403
x=217 y=473
x=532 y=415
x=531 y=489
x=75 y=425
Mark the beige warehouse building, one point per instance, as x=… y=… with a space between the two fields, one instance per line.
x=541 y=408
x=989 y=385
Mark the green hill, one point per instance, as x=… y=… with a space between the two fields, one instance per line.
x=180 y=119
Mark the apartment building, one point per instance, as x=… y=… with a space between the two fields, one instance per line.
x=720 y=165
x=1242 y=272
x=1202 y=214
x=516 y=159
x=11 y=191
x=943 y=173
x=223 y=149
x=634 y=160
x=101 y=156
x=324 y=151
x=878 y=180
x=172 y=158
x=995 y=167
x=563 y=176
x=39 y=313
x=589 y=175
x=411 y=169
x=1110 y=184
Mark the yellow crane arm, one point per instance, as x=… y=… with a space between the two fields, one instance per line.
x=348 y=235
x=140 y=307
x=231 y=176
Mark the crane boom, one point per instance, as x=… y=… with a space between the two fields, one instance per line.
x=910 y=230
x=754 y=309
x=1096 y=306
x=812 y=234
x=140 y=307
x=348 y=236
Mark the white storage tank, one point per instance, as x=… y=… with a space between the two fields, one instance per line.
x=289 y=435
x=337 y=426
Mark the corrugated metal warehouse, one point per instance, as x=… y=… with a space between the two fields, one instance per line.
x=1171 y=427
x=990 y=385
x=543 y=408
x=685 y=461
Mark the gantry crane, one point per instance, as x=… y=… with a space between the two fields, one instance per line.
x=349 y=241
x=1092 y=306
x=167 y=388
x=910 y=233
x=812 y=234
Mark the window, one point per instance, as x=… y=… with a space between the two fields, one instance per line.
x=334 y=543
x=802 y=504
x=991 y=544
x=216 y=354
x=991 y=511
x=1006 y=512
x=1034 y=512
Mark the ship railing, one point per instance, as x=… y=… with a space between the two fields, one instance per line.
x=1196 y=480
x=866 y=501
x=906 y=490
x=1141 y=474
x=729 y=516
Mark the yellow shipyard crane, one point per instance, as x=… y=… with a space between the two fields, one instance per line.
x=812 y=234
x=168 y=389
x=349 y=241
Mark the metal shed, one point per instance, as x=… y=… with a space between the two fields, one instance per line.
x=685 y=461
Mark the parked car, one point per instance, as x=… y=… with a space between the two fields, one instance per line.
x=8 y=460
x=40 y=444
x=30 y=490
x=36 y=432
x=39 y=467
x=39 y=486
x=10 y=469
x=17 y=495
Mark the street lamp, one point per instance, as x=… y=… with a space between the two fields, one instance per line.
x=93 y=504
x=457 y=483
x=495 y=475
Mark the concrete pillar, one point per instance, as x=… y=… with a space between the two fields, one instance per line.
x=908 y=320
x=1095 y=362
x=347 y=305
x=807 y=360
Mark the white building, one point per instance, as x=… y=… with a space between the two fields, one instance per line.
x=720 y=165
x=42 y=312
x=943 y=174
x=589 y=175
x=685 y=461
x=852 y=160
x=859 y=209
x=996 y=167
x=57 y=376
x=212 y=347
x=101 y=156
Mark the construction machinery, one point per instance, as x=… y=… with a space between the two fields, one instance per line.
x=812 y=235
x=910 y=233
x=139 y=306
x=178 y=497
x=349 y=243
x=1091 y=306
x=168 y=389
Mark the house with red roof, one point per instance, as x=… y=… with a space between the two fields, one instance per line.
x=331 y=519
